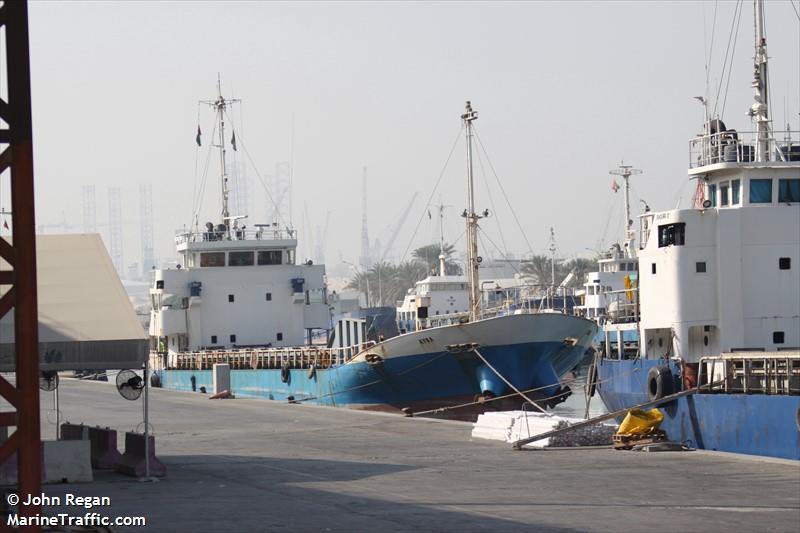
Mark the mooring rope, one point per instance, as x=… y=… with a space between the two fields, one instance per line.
x=493 y=369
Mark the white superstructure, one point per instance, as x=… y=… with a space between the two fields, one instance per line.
x=236 y=287
x=238 y=292
x=607 y=292
x=724 y=276
x=432 y=300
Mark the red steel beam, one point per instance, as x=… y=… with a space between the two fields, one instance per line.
x=26 y=440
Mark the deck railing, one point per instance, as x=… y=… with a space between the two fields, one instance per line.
x=259 y=232
x=262 y=358
x=752 y=372
x=740 y=147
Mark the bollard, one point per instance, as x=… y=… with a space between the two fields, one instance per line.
x=104 y=448
x=132 y=462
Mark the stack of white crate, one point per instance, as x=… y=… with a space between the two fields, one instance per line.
x=511 y=426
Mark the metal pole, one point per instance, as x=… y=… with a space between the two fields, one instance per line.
x=220 y=111
x=55 y=406
x=146 y=421
x=472 y=220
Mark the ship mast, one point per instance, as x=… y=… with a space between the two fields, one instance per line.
x=442 y=265
x=472 y=222
x=626 y=171
x=219 y=105
x=759 y=111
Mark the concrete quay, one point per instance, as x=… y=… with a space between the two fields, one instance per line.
x=253 y=465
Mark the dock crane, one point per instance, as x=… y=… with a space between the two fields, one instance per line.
x=398 y=227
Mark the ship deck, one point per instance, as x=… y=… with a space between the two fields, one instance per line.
x=255 y=465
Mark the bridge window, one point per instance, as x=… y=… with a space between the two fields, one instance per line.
x=269 y=296
x=671 y=234
x=213 y=339
x=240 y=259
x=700 y=267
x=279 y=336
x=777 y=337
x=233 y=338
x=269 y=257
x=230 y=298
x=652 y=268
x=212 y=259
x=785 y=263
x=789 y=190
x=723 y=194
x=712 y=195
x=736 y=186
x=760 y=191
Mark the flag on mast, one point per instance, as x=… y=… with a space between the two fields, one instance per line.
x=614 y=186
x=198 y=135
x=233 y=141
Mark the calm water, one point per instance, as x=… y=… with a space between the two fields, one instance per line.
x=575 y=405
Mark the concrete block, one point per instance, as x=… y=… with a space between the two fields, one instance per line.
x=74 y=431
x=132 y=462
x=67 y=461
x=222 y=377
x=104 y=448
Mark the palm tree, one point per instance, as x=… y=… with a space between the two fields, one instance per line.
x=538 y=269
x=429 y=255
x=582 y=267
x=381 y=277
x=407 y=275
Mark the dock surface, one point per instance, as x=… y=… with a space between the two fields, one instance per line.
x=254 y=465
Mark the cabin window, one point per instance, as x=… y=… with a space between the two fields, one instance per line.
x=736 y=186
x=269 y=257
x=653 y=268
x=700 y=267
x=723 y=194
x=230 y=298
x=785 y=263
x=760 y=191
x=623 y=266
x=777 y=337
x=712 y=195
x=212 y=259
x=233 y=338
x=789 y=190
x=213 y=339
x=279 y=336
x=269 y=296
x=238 y=259
x=671 y=234
x=159 y=284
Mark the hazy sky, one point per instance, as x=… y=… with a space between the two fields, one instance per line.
x=564 y=91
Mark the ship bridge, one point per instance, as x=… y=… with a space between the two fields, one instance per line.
x=216 y=247
x=738 y=169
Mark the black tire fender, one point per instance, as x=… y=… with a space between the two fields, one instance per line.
x=285 y=373
x=660 y=382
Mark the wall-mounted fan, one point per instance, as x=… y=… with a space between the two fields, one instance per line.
x=48 y=380
x=129 y=384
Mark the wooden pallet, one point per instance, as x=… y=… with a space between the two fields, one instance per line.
x=626 y=441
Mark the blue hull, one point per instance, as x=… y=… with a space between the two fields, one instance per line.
x=754 y=424
x=420 y=381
